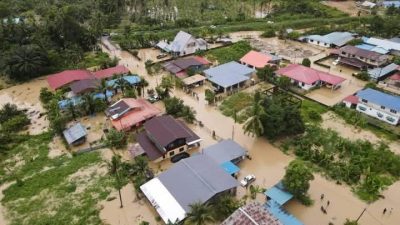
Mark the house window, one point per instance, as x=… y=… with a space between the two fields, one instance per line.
x=393 y=111
x=383 y=107
x=362 y=108
x=353 y=56
x=171 y=153
x=317 y=42
x=362 y=58
x=343 y=53
x=363 y=100
x=181 y=149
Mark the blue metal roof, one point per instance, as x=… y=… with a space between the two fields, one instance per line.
x=131 y=79
x=63 y=104
x=380 y=72
x=230 y=168
x=391 y=3
x=365 y=46
x=373 y=48
x=228 y=74
x=284 y=217
x=380 y=98
x=278 y=195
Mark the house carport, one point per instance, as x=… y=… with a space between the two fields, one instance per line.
x=194 y=80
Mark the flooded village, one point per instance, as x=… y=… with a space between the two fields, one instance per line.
x=222 y=124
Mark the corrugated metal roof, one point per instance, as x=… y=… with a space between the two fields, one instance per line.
x=383 y=43
x=74 y=133
x=224 y=151
x=336 y=38
x=256 y=59
x=376 y=73
x=251 y=214
x=196 y=179
x=228 y=74
x=279 y=195
x=109 y=72
x=380 y=98
x=309 y=75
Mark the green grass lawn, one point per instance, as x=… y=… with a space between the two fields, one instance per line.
x=49 y=191
x=240 y=103
x=231 y=53
x=309 y=109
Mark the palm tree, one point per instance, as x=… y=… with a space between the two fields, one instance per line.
x=102 y=88
x=88 y=104
x=200 y=214
x=114 y=167
x=253 y=124
x=141 y=85
x=122 y=84
x=71 y=110
x=25 y=62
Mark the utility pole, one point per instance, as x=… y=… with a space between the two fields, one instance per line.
x=361 y=214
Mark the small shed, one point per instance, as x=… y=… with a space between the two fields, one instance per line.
x=75 y=135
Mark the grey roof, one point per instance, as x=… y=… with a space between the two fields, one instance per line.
x=180 y=41
x=228 y=74
x=336 y=38
x=74 y=133
x=224 y=151
x=352 y=50
x=380 y=72
x=196 y=179
x=395 y=39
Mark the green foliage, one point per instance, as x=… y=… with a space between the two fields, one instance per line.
x=199 y=214
x=266 y=73
x=253 y=124
x=350 y=222
x=281 y=118
x=352 y=117
x=355 y=42
x=297 y=179
x=45 y=184
x=45 y=95
x=210 y=96
x=283 y=82
x=311 y=110
x=268 y=33
x=231 y=53
x=175 y=107
x=12 y=119
x=367 y=167
x=115 y=139
x=237 y=106
x=224 y=206
x=363 y=75
x=306 y=62
x=293 y=35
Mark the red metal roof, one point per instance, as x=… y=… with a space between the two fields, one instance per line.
x=395 y=76
x=256 y=59
x=106 y=73
x=201 y=60
x=352 y=99
x=141 y=110
x=58 y=80
x=308 y=75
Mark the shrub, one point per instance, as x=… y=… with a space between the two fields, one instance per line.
x=45 y=95
x=306 y=62
x=268 y=33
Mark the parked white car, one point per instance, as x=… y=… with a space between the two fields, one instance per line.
x=247 y=180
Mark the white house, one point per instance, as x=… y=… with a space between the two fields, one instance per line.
x=183 y=44
x=377 y=104
x=334 y=39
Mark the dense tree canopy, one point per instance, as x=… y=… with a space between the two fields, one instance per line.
x=297 y=179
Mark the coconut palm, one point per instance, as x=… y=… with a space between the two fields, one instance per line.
x=200 y=214
x=102 y=88
x=122 y=84
x=253 y=125
x=88 y=104
x=25 y=62
x=141 y=85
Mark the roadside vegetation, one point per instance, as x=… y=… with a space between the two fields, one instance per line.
x=368 y=168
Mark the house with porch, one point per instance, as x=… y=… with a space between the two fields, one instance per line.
x=164 y=137
x=229 y=76
x=307 y=78
x=377 y=104
x=361 y=58
x=196 y=179
x=258 y=60
x=383 y=46
x=183 y=44
x=128 y=113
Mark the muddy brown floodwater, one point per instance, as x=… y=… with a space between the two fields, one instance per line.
x=268 y=163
